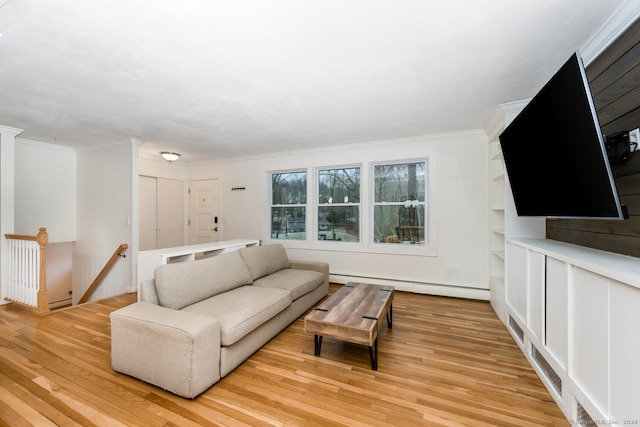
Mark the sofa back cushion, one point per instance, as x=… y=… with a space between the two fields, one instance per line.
x=184 y=283
x=264 y=260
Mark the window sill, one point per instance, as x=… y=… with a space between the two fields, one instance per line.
x=357 y=247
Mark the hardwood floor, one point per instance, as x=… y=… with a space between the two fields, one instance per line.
x=446 y=362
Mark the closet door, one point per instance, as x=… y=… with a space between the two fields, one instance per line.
x=147 y=213
x=170 y=213
x=162 y=204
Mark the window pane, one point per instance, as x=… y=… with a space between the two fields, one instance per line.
x=288 y=223
x=289 y=188
x=397 y=224
x=339 y=223
x=398 y=183
x=339 y=185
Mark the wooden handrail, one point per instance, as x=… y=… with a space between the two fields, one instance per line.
x=103 y=273
x=21 y=237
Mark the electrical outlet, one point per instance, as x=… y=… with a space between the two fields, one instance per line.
x=634 y=136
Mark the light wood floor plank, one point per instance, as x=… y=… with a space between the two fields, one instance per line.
x=446 y=362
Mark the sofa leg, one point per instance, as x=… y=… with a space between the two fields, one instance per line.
x=317 y=344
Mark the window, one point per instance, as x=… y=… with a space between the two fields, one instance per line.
x=339 y=204
x=289 y=205
x=399 y=207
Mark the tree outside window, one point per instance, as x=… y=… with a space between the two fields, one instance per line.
x=288 y=205
x=339 y=204
x=399 y=208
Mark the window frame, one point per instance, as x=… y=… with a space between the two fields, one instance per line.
x=427 y=204
x=366 y=245
x=296 y=205
x=317 y=205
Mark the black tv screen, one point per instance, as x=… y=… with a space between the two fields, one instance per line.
x=554 y=152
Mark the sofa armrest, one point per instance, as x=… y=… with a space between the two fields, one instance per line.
x=176 y=350
x=321 y=267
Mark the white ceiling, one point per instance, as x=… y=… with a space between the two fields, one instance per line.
x=217 y=79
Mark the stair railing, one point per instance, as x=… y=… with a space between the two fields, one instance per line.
x=103 y=272
x=27 y=261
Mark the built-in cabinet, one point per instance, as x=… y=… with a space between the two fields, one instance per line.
x=572 y=310
x=574 y=313
x=503 y=220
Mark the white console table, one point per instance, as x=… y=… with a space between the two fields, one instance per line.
x=149 y=260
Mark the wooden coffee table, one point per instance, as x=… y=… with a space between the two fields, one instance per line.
x=352 y=314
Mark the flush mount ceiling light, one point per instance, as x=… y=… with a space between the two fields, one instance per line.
x=169 y=156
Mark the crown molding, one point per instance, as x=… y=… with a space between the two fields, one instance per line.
x=617 y=23
x=129 y=142
x=356 y=145
x=10 y=130
x=44 y=145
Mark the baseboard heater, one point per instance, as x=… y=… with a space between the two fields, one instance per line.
x=408 y=286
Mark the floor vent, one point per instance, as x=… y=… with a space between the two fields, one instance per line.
x=516 y=329
x=547 y=370
x=582 y=416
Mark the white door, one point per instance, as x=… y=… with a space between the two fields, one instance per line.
x=161 y=213
x=147 y=213
x=170 y=213
x=204 y=226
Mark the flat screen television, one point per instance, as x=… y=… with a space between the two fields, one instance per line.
x=554 y=152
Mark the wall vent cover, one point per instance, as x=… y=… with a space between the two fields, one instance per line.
x=513 y=325
x=582 y=417
x=548 y=372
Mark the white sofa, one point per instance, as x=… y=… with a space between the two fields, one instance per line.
x=197 y=321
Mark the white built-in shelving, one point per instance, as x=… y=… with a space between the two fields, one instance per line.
x=149 y=260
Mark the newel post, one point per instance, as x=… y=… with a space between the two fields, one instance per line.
x=43 y=296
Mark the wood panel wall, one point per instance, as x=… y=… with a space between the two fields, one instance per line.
x=614 y=77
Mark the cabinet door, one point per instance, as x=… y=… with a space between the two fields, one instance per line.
x=516 y=282
x=535 y=300
x=556 y=310
x=624 y=345
x=589 y=326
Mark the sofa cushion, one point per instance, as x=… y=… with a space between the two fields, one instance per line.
x=264 y=260
x=184 y=283
x=242 y=310
x=298 y=282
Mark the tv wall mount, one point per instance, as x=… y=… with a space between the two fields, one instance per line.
x=622 y=145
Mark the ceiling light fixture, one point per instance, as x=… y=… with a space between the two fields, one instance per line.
x=169 y=156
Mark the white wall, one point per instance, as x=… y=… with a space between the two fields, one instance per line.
x=457 y=265
x=7 y=214
x=45 y=190
x=107 y=213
